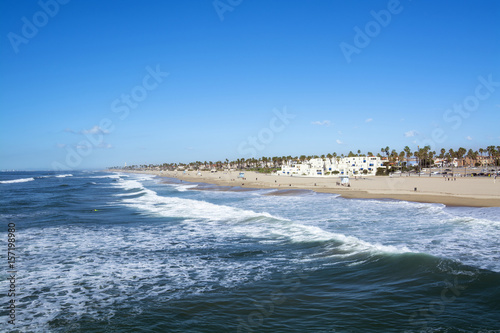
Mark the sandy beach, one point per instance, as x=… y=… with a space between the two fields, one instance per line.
x=464 y=191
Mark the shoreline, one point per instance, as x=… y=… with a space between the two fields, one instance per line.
x=464 y=192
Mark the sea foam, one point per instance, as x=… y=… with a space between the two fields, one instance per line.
x=244 y=222
x=64 y=176
x=20 y=180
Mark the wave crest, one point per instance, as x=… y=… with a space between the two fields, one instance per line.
x=20 y=180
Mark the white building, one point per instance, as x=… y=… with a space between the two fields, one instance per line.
x=353 y=166
x=347 y=166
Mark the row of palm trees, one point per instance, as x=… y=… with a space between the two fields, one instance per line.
x=425 y=157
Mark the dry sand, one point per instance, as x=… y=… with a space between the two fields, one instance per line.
x=464 y=191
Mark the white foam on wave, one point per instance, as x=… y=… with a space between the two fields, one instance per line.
x=183 y=188
x=92 y=273
x=425 y=207
x=353 y=227
x=295 y=232
x=151 y=202
x=64 y=176
x=430 y=228
x=20 y=180
x=131 y=184
x=473 y=221
x=109 y=176
x=256 y=225
x=128 y=194
x=471 y=240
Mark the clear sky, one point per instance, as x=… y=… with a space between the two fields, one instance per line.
x=91 y=84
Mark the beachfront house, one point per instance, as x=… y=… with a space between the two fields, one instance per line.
x=347 y=166
x=360 y=165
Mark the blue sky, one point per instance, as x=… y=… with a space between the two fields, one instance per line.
x=91 y=84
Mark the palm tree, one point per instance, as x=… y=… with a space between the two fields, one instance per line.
x=432 y=154
x=385 y=150
x=472 y=157
x=492 y=155
x=416 y=154
x=481 y=151
x=426 y=156
x=401 y=157
x=460 y=155
x=491 y=152
x=452 y=157
x=408 y=154
x=394 y=155
x=498 y=158
x=441 y=156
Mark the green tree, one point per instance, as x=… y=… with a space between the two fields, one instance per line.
x=408 y=154
x=452 y=155
x=491 y=152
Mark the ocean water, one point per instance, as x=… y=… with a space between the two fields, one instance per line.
x=114 y=252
